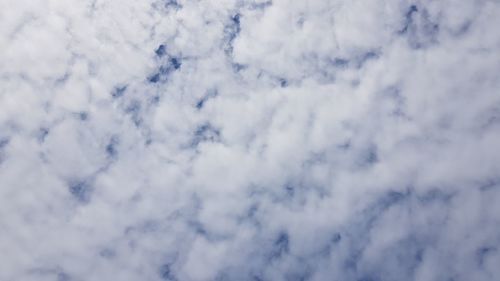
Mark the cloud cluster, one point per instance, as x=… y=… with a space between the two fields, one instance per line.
x=249 y=140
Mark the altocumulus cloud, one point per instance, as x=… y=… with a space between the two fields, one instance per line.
x=249 y=140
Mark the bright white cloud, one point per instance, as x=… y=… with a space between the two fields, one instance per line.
x=249 y=140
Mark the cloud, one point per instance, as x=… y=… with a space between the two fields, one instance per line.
x=249 y=140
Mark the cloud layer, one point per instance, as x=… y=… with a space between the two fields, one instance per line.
x=249 y=140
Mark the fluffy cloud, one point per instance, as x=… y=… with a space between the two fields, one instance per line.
x=249 y=140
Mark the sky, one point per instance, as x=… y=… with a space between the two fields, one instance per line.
x=196 y=140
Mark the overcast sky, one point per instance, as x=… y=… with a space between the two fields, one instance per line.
x=222 y=140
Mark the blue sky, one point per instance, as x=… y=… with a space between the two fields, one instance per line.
x=249 y=140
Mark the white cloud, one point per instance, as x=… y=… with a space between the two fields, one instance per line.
x=249 y=140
